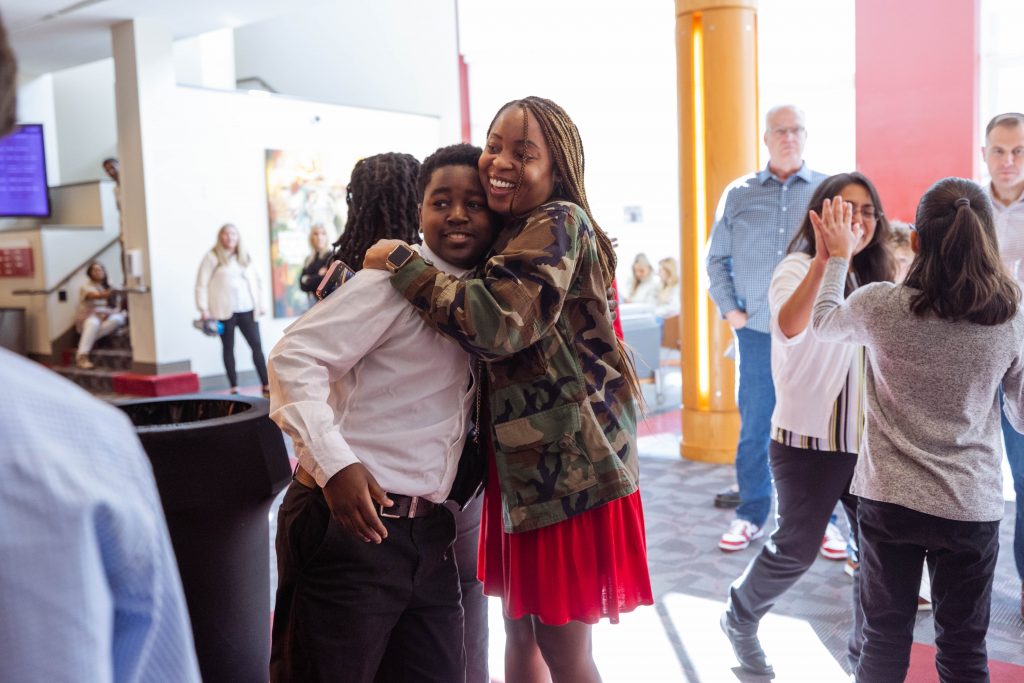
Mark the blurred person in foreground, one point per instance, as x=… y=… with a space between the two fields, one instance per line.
x=88 y=581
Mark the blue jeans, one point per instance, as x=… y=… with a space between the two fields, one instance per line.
x=756 y=401
x=1014 y=441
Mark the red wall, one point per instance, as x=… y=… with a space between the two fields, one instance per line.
x=917 y=96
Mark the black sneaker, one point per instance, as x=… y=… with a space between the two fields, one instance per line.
x=728 y=498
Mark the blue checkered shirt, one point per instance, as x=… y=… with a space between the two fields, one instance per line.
x=755 y=221
x=89 y=588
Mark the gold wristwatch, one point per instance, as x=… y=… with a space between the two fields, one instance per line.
x=398 y=257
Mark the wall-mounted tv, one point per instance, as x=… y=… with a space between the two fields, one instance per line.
x=23 y=190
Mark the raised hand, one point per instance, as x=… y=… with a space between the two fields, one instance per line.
x=835 y=226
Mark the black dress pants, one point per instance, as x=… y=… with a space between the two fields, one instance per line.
x=961 y=560
x=809 y=484
x=343 y=603
x=250 y=329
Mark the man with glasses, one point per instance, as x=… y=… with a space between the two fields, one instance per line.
x=1004 y=155
x=756 y=218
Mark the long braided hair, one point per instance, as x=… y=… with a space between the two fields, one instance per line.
x=566 y=148
x=381 y=205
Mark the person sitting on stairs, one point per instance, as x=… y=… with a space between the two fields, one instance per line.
x=98 y=314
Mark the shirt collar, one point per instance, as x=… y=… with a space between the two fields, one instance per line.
x=998 y=205
x=804 y=174
x=439 y=262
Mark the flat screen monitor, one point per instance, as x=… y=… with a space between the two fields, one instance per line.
x=23 y=190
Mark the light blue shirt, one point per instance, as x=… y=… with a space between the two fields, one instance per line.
x=89 y=587
x=754 y=223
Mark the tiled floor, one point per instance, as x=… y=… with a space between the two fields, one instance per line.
x=679 y=640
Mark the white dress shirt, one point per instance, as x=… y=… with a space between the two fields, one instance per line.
x=89 y=588
x=361 y=378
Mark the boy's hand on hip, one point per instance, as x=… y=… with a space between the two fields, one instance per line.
x=351 y=495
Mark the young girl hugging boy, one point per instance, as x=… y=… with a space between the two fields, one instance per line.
x=562 y=538
x=939 y=346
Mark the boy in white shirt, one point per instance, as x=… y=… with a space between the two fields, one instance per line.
x=366 y=391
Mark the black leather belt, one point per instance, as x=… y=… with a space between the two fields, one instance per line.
x=404 y=506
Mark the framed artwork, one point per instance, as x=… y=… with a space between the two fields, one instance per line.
x=303 y=189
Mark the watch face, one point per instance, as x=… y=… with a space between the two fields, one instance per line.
x=398 y=256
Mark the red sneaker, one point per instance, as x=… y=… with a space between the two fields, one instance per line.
x=741 y=532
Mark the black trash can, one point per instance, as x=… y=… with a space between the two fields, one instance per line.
x=218 y=462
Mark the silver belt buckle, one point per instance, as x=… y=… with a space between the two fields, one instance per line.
x=413 y=504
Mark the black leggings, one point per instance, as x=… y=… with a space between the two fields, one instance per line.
x=251 y=331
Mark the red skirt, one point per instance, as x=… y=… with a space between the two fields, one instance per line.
x=589 y=566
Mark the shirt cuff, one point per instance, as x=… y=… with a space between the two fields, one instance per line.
x=327 y=456
x=407 y=274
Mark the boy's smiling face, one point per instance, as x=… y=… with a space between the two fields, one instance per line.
x=456 y=224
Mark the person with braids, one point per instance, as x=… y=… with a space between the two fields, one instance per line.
x=382 y=204
x=562 y=538
x=929 y=473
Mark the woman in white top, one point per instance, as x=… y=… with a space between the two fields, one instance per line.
x=97 y=314
x=667 y=298
x=228 y=290
x=818 y=422
x=642 y=287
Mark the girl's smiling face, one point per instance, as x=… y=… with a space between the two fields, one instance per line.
x=516 y=170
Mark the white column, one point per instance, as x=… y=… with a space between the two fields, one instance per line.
x=144 y=90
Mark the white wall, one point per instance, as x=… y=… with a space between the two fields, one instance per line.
x=388 y=54
x=86 y=119
x=1002 y=63
x=209 y=169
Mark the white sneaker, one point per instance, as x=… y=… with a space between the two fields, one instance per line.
x=833 y=545
x=740 y=534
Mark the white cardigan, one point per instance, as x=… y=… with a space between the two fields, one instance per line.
x=213 y=289
x=808 y=373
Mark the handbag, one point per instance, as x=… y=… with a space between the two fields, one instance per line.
x=471 y=475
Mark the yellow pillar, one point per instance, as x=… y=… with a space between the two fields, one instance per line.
x=716 y=48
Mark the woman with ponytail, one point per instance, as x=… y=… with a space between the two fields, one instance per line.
x=939 y=346
x=562 y=537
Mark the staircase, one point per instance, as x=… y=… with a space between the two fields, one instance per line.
x=112 y=377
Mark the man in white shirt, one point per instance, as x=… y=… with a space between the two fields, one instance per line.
x=371 y=398
x=1004 y=155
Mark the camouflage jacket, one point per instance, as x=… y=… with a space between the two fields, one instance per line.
x=563 y=420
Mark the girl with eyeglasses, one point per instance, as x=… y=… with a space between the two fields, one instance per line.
x=818 y=422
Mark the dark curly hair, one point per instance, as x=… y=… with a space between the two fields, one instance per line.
x=452 y=155
x=381 y=205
